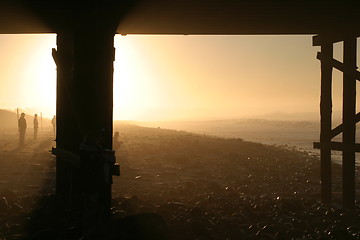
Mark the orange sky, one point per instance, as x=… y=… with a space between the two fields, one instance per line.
x=179 y=77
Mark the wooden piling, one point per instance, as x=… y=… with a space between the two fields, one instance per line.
x=325 y=121
x=349 y=123
x=84 y=60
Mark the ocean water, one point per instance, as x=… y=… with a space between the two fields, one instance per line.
x=294 y=134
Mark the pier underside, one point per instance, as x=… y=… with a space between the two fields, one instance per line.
x=85 y=54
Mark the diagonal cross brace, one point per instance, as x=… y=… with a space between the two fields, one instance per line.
x=339 y=129
x=338 y=65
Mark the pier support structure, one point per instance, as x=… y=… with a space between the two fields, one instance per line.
x=84 y=59
x=348 y=146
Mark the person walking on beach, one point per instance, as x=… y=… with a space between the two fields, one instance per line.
x=22 y=129
x=36 y=126
x=53 y=122
x=116 y=142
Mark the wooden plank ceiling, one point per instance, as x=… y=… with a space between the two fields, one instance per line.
x=184 y=17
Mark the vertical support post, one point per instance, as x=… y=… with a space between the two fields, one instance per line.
x=65 y=124
x=93 y=74
x=325 y=121
x=94 y=54
x=349 y=108
x=84 y=60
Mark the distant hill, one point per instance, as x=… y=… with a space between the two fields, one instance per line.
x=275 y=124
x=8 y=119
x=301 y=134
x=237 y=126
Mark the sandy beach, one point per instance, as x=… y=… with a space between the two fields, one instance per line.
x=197 y=186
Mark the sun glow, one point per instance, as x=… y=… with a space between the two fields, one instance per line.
x=134 y=91
x=177 y=77
x=28 y=73
x=42 y=70
x=213 y=77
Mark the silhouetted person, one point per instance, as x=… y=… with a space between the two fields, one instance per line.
x=22 y=129
x=36 y=126
x=116 y=142
x=96 y=181
x=53 y=122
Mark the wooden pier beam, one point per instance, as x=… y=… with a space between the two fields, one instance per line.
x=349 y=123
x=325 y=123
x=63 y=57
x=84 y=59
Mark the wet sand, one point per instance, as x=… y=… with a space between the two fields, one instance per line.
x=215 y=188
x=26 y=175
x=202 y=187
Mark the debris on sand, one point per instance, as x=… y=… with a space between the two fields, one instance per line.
x=179 y=186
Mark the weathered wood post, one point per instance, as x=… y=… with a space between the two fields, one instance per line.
x=349 y=122
x=348 y=146
x=63 y=57
x=325 y=123
x=84 y=58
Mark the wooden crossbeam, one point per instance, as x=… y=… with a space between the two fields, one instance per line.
x=337 y=146
x=321 y=39
x=338 y=65
x=339 y=129
x=67 y=156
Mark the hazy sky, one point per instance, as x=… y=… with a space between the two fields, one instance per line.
x=179 y=77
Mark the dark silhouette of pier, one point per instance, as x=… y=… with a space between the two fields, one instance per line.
x=85 y=54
